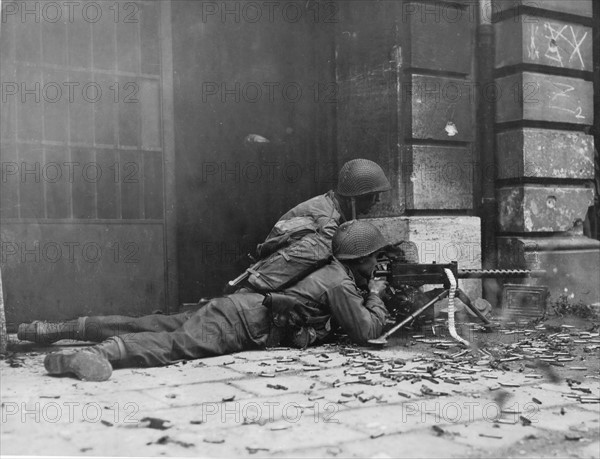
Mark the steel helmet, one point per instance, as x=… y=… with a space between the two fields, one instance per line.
x=361 y=176
x=356 y=239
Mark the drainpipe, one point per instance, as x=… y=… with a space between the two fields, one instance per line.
x=486 y=136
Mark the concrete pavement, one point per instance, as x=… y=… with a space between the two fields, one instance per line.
x=419 y=397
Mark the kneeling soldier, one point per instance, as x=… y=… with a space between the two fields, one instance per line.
x=303 y=314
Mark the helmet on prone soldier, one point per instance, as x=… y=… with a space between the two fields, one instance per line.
x=361 y=177
x=356 y=239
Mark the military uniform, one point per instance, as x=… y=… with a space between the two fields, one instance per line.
x=324 y=299
x=324 y=209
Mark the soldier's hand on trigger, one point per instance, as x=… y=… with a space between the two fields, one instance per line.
x=377 y=286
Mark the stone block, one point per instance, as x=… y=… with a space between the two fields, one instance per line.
x=578 y=7
x=446 y=239
x=438 y=177
x=533 y=40
x=441 y=240
x=441 y=108
x=531 y=96
x=529 y=208
x=394 y=229
x=571 y=264
x=441 y=36
x=545 y=153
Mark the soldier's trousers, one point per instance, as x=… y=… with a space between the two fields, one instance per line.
x=99 y=328
x=223 y=326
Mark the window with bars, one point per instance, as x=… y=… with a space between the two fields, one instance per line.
x=80 y=120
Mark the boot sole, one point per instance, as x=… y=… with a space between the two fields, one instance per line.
x=85 y=365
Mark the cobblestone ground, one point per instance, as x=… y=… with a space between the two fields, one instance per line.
x=418 y=397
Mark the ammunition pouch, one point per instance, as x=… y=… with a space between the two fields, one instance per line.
x=292 y=322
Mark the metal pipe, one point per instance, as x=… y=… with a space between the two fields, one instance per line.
x=486 y=137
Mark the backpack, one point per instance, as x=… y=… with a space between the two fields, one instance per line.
x=294 y=249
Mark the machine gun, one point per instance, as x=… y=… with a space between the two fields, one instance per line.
x=399 y=274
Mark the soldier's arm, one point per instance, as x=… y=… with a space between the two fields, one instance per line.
x=362 y=319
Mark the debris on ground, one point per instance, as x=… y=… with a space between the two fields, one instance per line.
x=166 y=439
x=156 y=423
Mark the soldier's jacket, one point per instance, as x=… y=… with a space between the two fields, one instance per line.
x=329 y=298
x=324 y=209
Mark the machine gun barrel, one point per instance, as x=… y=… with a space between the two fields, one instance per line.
x=417 y=274
x=491 y=273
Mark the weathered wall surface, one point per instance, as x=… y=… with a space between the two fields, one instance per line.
x=85 y=156
x=545 y=156
x=243 y=68
x=407 y=100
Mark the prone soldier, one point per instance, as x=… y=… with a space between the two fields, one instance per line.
x=302 y=315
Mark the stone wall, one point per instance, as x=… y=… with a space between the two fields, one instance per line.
x=544 y=155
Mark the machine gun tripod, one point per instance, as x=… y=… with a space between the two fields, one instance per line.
x=417 y=274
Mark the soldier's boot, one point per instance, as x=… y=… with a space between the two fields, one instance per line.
x=92 y=364
x=49 y=332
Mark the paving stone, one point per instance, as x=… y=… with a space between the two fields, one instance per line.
x=141 y=378
x=118 y=407
x=330 y=376
x=284 y=407
x=264 y=355
x=18 y=442
x=405 y=446
x=333 y=360
x=256 y=367
x=300 y=422
x=470 y=434
x=294 y=383
x=551 y=419
x=357 y=395
x=549 y=398
x=590 y=451
x=223 y=360
x=196 y=394
x=383 y=418
x=291 y=436
x=592 y=407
